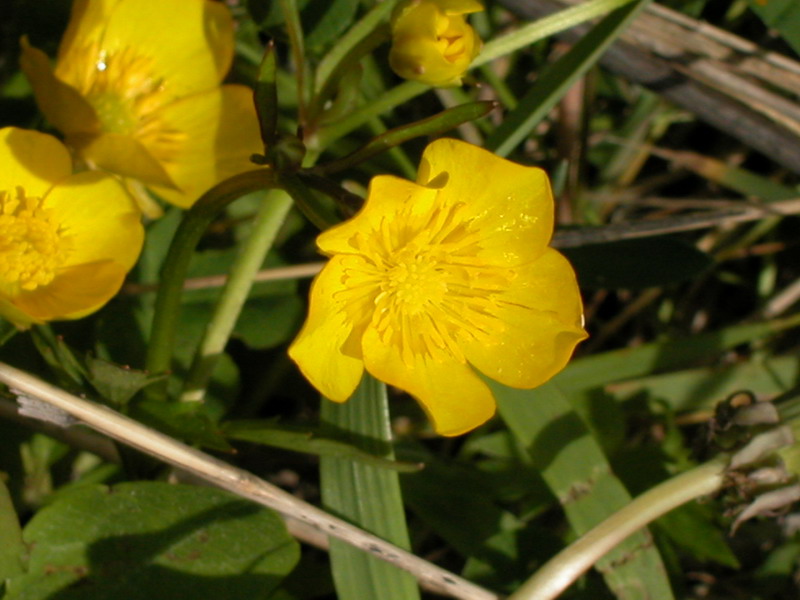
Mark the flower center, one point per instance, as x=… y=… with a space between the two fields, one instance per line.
x=421 y=283
x=125 y=95
x=32 y=246
x=414 y=281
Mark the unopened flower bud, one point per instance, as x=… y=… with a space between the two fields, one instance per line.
x=432 y=42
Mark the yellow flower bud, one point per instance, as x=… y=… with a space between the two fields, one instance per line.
x=432 y=42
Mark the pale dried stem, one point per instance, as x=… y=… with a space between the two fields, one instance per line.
x=242 y=483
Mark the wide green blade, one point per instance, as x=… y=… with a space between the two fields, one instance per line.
x=366 y=495
x=573 y=465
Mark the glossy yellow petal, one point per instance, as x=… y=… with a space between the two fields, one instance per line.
x=186 y=46
x=459 y=7
x=535 y=326
x=122 y=155
x=510 y=204
x=322 y=349
x=31 y=160
x=215 y=134
x=453 y=396
x=76 y=292
x=96 y=212
x=387 y=199
x=60 y=103
x=14 y=315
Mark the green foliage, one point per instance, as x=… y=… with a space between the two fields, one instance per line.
x=153 y=540
x=677 y=323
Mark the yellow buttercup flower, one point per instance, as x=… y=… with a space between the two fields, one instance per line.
x=432 y=42
x=136 y=91
x=66 y=241
x=436 y=279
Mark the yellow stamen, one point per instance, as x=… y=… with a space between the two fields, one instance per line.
x=32 y=246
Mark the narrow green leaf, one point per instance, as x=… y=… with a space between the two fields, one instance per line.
x=692 y=389
x=266 y=96
x=551 y=86
x=628 y=363
x=270 y=433
x=435 y=125
x=336 y=20
x=545 y=27
x=153 y=541
x=573 y=465
x=352 y=42
x=11 y=547
x=367 y=496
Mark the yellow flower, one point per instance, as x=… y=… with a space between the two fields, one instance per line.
x=66 y=241
x=431 y=41
x=136 y=91
x=436 y=279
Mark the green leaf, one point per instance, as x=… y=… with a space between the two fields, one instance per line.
x=556 y=80
x=296 y=439
x=573 y=465
x=367 y=496
x=637 y=264
x=153 y=541
x=11 y=547
x=629 y=363
x=334 y=21
x=269 y=321
x=692 y=389
x=188 y=421
x=781 y=15
x=115 y=383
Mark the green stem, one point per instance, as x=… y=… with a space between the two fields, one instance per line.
x=391 y=99
x=569 y=564
x=194 y=224
x=270 y=217
x=544 y=27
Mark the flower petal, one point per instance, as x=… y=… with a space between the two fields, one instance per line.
x=189 y=42
x=217 y=133
x=510 y=204
x=11 y=313
x=537 y=326
x=321 y=349
x=459 y=7
x=450 y=392
x=32 y=160
x=96 y=211
x=121 y=154
x=62 y=105
x=388 y=198
x=74 y=293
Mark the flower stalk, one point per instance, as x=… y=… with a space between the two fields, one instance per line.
x=270 y=217
x=563 y=569
x=176 y=265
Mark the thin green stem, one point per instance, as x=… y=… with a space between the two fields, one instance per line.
x=391 y=99
x=544 y=27
x=294 y=29
x=271 y=215
x=569 y=564
x=194 y=224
